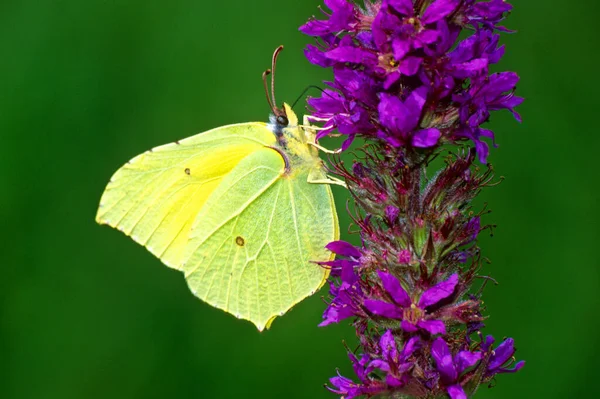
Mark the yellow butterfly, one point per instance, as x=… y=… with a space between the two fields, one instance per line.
x=242 y=210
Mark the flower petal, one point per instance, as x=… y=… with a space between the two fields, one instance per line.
x=410 y=65
x=400 y=47
x=411 y=346
x=394 y=288
x=466 y=359
x=415 y=102
x=384 y=309
x=456 y=392
x=439 y=292
x=438 y=10
x=380 y=364
x=433 y=327
x=343 y=248
x=426 y=138
x=516 y=368
x=317 y=57
x=502 y=353
x=443 y=360
x=387 y=343
x=394 y=115
x=336 y=313
x=402 y=6
x=408 y=326
x=351 y=54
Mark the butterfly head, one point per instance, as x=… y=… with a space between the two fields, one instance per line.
x=283 y=117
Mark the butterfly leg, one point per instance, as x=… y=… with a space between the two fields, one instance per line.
x=311 y=137
x=325 y=150
x=324 y=179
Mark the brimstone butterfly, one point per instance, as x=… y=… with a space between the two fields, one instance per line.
x=244 y=211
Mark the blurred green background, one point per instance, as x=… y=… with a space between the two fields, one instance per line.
x=87 y=313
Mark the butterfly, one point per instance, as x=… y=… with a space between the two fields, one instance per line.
x=243 y=210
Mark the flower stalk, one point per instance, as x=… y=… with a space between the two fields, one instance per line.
x=411 y=78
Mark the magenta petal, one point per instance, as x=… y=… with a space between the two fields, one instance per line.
x=482 y=150
x=384 y=309
x=426 y=138
x=410 y=65
x=380 y=364
x=466 y=359
x=438 y=10
x=408 y=326
x=315 y=28
x=317 y=57
x=502 y=353
x=412 y=345
x=433 y=327
x=336 y=313
x=470 y=68
x=516 y=368
x=351 y=54
x=346 y=144
x=456 y=392
x=403 y=6
x=415 y=102
x=391 y=78
x=428 y=36
x=394 y=288
x=387 y=343
x=400 y=47
x=393 y=381
x=443 y=359
x=343 y=248
x=439 y=292
x=395 y=116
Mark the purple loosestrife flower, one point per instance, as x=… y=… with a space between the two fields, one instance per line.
x=414 y=316
x=501 y=358
x=347 y=296
x=451 y=368
x=412 y=79
x=389 y=361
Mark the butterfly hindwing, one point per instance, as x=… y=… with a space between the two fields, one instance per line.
x=253 y=256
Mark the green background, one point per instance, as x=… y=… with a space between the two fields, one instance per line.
x=87 y=313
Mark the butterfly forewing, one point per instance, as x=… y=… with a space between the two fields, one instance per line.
x=156 y=196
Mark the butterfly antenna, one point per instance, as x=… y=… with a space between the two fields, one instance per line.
x=307 y=89
x=273 y=65
x=264 y=79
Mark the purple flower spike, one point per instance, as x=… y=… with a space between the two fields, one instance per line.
x=412 y=80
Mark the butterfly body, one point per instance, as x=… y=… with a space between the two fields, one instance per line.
x=241 y=210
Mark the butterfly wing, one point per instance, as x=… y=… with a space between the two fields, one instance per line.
x=156 y=196
x=253 y=244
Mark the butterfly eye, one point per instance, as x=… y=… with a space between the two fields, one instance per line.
x=282 y=120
